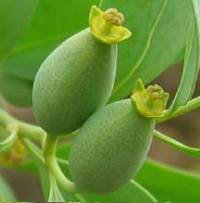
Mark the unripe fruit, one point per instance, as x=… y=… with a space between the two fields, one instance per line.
x=110 y=148
x=112 y=145
x=15 y=90
x=74 y=81
x=78 y=77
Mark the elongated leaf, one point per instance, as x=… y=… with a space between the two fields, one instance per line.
x=6 y=194
x=159 y=35
x=14 y=17
x=25 y=61
x=196 y=7
x=53 y=22
x=46 y=31
x=133 y=192
x=169 y=184
x=191 y=65
x=156 y=25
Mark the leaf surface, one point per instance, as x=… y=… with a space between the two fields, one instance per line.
x=169 y=184
x=14 y=18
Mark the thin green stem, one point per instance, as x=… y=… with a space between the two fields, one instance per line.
x=68 y=138
x=5 y=118
x=54 y=194
x=26 y=130
x=100 y=3
x=32 y=132
x=33 y=149
x=195 y=152
x=8 y=142
x=52 y=164
x=190 y=106
x=63 y=162
x=80 y=198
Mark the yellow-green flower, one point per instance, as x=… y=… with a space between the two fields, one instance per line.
x=107 y=26
x=150 y=101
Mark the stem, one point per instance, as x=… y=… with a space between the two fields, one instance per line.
x=65 y=163
x=26 y=130
x=54 y=194
x=195 y=152
x=33 y=132
x=51 y=162
x=80 y=198
x=190 y=106
x=8 y=142
x=100 y=3
x=5 y=118
x=33 y=149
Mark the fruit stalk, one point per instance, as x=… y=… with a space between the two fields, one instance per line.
x=52 y=164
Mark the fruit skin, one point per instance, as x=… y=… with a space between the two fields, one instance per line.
x=73 y=82
x=15 y=90
x=110 y=148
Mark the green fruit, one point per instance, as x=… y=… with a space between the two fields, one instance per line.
x=15 y=90
x=73 y=82
x=110 y=148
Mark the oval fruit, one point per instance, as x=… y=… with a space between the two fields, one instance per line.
x=110 y=148
x=73 y=82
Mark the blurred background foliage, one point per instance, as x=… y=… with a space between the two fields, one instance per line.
x=157 y=48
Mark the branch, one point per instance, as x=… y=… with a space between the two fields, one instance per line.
x=195 y=152
x=190 y=106
x=23 y=129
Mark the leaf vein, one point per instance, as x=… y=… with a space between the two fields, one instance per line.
x=146 y=49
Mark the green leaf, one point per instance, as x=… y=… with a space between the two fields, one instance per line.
x=53 y=22
x=15 y=90
x=24 y=62
x=191 y=66
x=150 y=51
x=195 y=152
x=6 y=194
x=14 y=17
x=159 y=34
x=196 y=7
x=44 y=34
x=8 y=142
x=169 y=184
x=133 y=192
x=179 y=58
